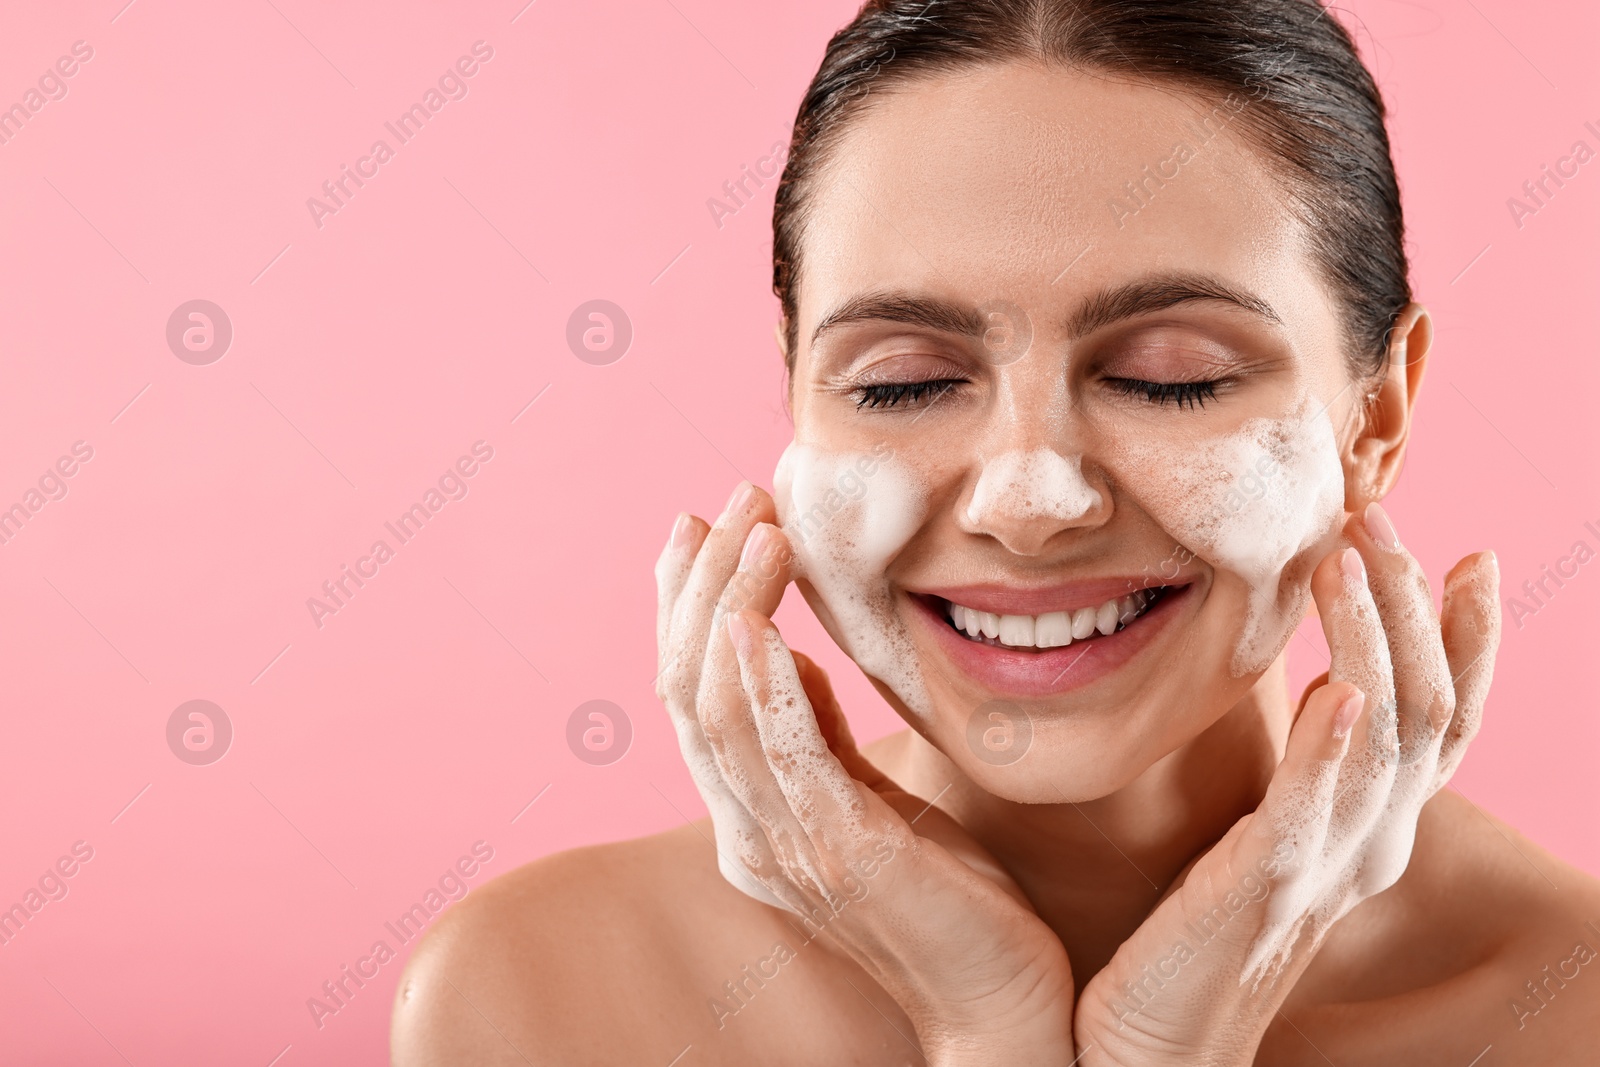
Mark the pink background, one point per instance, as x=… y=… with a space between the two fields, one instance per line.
x=425 y=315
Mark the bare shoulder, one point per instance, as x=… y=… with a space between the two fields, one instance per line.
x=1488 y=941
x=630 y=952
x=530 y=967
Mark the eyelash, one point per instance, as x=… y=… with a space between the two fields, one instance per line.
x=1194 y=394
x=888 y=394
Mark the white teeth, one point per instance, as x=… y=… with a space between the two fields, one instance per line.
x=1082 y=623
x=1053 y=629
x=1016 y=629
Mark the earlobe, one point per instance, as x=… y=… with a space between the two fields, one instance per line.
x=778 y=335
x=1375 y=456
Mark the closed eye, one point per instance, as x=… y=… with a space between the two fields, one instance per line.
x=1194 y=394
x=890 y=394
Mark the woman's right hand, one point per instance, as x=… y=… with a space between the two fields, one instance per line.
x=803 y=821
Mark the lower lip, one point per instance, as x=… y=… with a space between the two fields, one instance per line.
x=1048 y=671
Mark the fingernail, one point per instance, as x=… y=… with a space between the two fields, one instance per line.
x=742 y=494
x=739 y=633
x=1350 y=563
x=1347 y=714
x=1380 y=527
x=755 y=547
x=680 y=530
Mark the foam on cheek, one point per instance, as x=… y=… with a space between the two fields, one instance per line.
x=1250 y=503
x=1042 y=484
x=848 y=515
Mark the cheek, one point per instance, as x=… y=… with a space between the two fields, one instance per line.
x=844 y=541
x=1262 y=503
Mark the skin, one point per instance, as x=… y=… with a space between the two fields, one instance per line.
x=1007 y=915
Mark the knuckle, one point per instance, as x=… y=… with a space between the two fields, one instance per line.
x=1444 y=708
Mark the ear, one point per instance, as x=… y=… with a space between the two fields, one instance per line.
x=1374 y=458
x=779 y=329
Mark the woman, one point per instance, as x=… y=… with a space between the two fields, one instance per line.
x=1101 y=352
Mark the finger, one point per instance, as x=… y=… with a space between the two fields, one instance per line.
x=715 y=561
x=1299 y=801
x=759 y=762
x=831 y=721
x=1316 y=683
x=926 y=820
x=1423 y=692
x=785 y=858
x=743 y=855
x=774 y=846
x=764 y=568
x=838 y=814
x=757 y=584
x=1361 y=657
x=672 y=574
x=1471 y=627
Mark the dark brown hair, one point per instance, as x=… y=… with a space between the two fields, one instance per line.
x=1314 y=114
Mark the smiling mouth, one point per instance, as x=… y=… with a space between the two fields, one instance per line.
x=1055 y=629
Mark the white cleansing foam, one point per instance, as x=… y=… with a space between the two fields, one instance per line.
x=1249 y=503
x=848 y=515
x=1042 y=484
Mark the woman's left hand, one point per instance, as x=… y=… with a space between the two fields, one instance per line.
x=1204 y=975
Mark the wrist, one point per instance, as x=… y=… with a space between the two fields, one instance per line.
x=1043 y=1039
x=1220 y=1031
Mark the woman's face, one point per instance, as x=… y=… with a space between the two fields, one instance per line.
x=1064 y=367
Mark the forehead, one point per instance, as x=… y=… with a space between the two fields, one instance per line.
x=1039 y=184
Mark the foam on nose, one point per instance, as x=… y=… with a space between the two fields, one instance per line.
x=1042 y=484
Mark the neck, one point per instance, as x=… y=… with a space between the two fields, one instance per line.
x=1095 y=870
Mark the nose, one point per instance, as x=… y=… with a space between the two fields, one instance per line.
x=1023 y=498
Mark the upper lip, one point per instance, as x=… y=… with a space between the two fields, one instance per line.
x=1003 y=599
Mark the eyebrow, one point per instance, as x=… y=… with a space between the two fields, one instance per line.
x=1145 y=296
